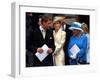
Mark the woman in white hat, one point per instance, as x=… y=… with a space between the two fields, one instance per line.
x=78 y=45
x=59 y=38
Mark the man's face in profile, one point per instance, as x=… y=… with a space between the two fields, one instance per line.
x=47 y=24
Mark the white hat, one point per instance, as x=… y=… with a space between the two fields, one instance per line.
x=76 y=25
x=57 y=18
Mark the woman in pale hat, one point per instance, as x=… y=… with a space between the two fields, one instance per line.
x=78 y=45
x=59 y=39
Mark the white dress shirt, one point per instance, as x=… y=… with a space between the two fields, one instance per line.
x=43 y=31
x=64 y=27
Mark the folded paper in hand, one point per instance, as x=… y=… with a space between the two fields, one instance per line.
x=74 y=50
x=44 y=54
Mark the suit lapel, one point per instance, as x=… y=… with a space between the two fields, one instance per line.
x=47 y=35
x=40 y=33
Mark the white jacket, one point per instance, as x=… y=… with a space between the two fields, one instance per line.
x=59 y=39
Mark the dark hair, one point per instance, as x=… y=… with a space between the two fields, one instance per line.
x=46 y=18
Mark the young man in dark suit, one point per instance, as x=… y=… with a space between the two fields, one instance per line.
x=40 y=36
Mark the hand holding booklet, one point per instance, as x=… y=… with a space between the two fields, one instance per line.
x=74 y=50
x=44 y=54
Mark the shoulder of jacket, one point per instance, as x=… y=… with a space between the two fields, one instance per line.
x=63 y=33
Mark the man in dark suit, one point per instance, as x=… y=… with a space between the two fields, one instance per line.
x=69 y=34
x=31 y=24
x=40 y=36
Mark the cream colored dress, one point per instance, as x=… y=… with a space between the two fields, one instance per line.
x=58 y=55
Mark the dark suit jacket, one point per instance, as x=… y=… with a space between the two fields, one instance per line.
x=37 y=41
x=68 y=35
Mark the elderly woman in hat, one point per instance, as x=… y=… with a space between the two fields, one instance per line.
x=59 y=38
x=78 y=45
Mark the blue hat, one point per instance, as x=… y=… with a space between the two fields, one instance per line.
x=76 y=25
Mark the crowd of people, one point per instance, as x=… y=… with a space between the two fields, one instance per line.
x=68 y=44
